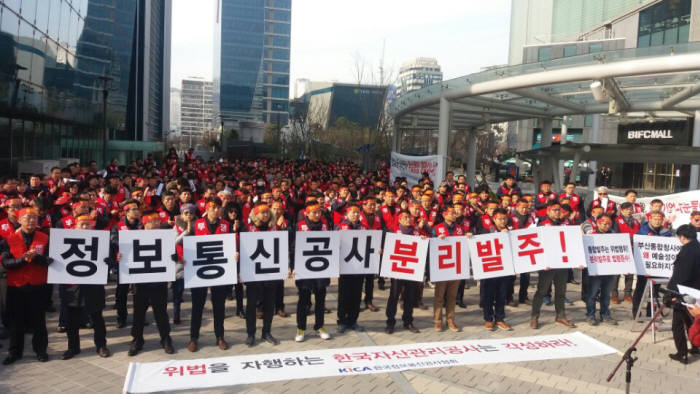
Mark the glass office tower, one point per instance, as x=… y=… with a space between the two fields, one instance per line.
x=251 y=60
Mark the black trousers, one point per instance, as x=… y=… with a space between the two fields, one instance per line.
x=120 y=301
x=279 y=295
x=256 y=292
x=218 y=305
x=73 y=321
x=156 y=295
x=680 y=324
x=460 y=291
x=349 y=298
x=369 y=288
x=494 y=302
x=409 y=288
x=27 y=305
x=522 y=293
x=303 y=306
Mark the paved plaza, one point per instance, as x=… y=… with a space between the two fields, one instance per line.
x=654 y=372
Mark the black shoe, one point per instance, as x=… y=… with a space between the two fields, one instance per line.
x=694 y=350
x=250 y=341
x=327 y=311
x=357 y=328
x=135 y=348
x=103 y=352
x=11 y=358
x=342 y=328
x=462 y=305
x=121 y=323
x=389 y=330
x=229 y=297
x=240 y=314
x=270 y=339
x=68 y=354
x=168 y=346
x=42 y=357
x=682 y=358
x=381 y=286
x=176 y=320
x=412 y=328
x=61 y=329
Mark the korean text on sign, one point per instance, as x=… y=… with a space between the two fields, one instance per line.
x=403 y=257
x=79 y=256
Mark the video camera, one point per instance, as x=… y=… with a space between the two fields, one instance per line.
x=680 y=299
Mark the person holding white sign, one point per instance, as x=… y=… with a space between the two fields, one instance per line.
x=131 y=221
x=653 y=227
x=312 y=221
x=602 y=283
x=495 y=290
x=208 y=225
x=88 y=299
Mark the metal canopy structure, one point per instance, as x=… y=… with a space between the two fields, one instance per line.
x=649 y=80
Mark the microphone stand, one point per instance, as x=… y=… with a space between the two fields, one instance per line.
x=628 y=356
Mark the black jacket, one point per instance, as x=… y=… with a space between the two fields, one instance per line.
x=686 y=267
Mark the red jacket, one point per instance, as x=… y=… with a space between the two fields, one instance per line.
x=201 y=227
x=31 y=273
x=694 y=332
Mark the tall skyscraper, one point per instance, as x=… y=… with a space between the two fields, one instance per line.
x=251 y=60
x=418 y=73
x=195 y=107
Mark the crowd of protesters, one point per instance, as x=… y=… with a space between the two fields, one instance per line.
x=198 y=197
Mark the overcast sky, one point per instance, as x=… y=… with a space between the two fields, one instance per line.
x=329 y=36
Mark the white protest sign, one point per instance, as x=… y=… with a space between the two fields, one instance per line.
x=359 y=252
x=403 y=257
x=449 y=259
x=317 y=254
x=146 y=256
x=564 y=247
x=677 y=206
x=210 y=260
x=200 y=374
x=608 y=254
x=79 y=256
x=528 y=247
x=413 y=167
x=655 y=255
x=264 y=255
x=491 y=255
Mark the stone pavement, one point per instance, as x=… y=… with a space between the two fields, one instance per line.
x=654 y=372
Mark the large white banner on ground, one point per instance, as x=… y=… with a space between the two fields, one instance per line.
x=413 y=167
x=78 y=256
x=654 y=256
x=257 y=368
x=677 y=206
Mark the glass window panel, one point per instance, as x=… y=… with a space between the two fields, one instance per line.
x=73 y=28
x=657 y=38
x=671 y=36
x=570 y=50
x=54 y=18
x=42 y=16
x=595 y=48
x=26 y=32
x=29 y=10
x=65 y=23
x=544 y=54
x=643 y=41
x=13 y=4
x=588 y=121
x=9 y=22
x=683 y=33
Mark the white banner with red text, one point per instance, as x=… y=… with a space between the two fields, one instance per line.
x=413 y=167
x=258 y=368
x=677 y=207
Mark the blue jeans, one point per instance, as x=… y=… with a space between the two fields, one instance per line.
x=604 y=284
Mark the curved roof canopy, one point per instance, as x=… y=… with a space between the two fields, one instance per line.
x=663 y=78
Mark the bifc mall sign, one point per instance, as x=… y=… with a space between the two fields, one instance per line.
x=657 y=133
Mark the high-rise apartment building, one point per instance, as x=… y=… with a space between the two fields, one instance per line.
x=195 y=106
x=418 y=73
x=251 y=60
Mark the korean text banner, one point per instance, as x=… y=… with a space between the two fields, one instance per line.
x=79 y=256
x=264 y=256
x=359 y=252
x=609 y=254
x=403 y=257
x=449 y=259
x=146 y=256
x=655 y=256
x=413 y=167
x=257 y=368
x=491 y=255
x=210 y=260
x=678 y=205
x=316 y=254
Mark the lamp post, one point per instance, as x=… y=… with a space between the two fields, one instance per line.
x=105 y=92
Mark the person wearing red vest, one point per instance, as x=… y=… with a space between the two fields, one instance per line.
x=169 y=209
x=446 y=291
x=625 y=223
x=184 y=226
x=609 y=207
x=494 y=291
x=520 y=218
x=574 y=199
x=131 y=221
x=312 y=221
x=208 y=225
x=24 y=256
x=600 y=283
x=460 y=219
x=10 y=224
x=389 y=210
x=543 y=198
x=350 y=286
x=371 y=220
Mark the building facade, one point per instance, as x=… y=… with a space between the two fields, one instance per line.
x=195 y=107
x=251 y=60
x=327 y=102
x=559 y=30
x=59 y=57
x=418 y=73
x=175 y=103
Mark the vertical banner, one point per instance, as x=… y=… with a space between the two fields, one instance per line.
x=79 y=256
x=491 y=255
x=564 y=247
x=654 y=256
x=413 y=167
x=403 y=257
x=359 y=252
x=528 y=249
x=608 y=254
x=146 y=256
x=210 y=260
x=317 y=254
x=449 y=259
x=264 y=255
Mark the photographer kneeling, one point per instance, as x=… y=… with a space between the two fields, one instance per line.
x=686 y=272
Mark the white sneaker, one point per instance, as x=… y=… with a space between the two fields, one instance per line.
x=323 y=333
x=300 y=336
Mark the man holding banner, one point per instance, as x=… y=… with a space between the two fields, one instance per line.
x=495 y=290
x=601 y=283
x=654 y=227
x=131 y=221
x=446 y=291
